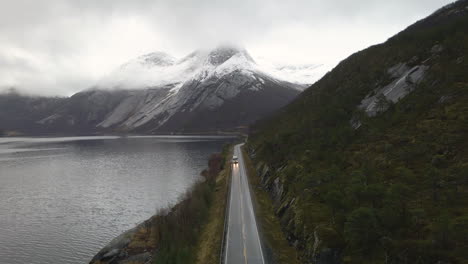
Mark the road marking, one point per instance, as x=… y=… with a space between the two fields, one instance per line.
x=244 y=251
x=251 y=207
x=243 y=189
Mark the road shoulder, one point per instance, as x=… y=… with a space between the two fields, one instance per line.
x=209 y=244
x=276 y=246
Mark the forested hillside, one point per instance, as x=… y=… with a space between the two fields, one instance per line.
x=370 y=164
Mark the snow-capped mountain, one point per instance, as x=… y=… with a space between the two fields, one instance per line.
x=303 y=74
x=208 y=90
x=159 y=68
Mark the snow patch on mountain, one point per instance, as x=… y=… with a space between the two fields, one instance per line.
x=302 y=74
x=161 y=70
x=162 y=86
x=144 y=73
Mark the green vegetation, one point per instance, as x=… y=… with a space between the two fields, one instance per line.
x=269 y=224
x=209 y=243
x=396 y=189
x=179 y=234
x=179 y=231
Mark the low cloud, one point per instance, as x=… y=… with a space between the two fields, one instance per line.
x=58 y=47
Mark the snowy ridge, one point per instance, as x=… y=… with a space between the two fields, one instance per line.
x=213 y=91
x=161 y=86
x=305 y=74
x=143 y=72
x=160 y=70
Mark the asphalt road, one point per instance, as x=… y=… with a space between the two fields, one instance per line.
x=242 y=240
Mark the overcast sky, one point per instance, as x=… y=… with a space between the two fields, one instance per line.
x=58 y=47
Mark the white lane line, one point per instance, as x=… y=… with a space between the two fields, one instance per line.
x=244 y=238
x=251 y=205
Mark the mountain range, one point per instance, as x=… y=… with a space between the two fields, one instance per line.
x=367 y=165
x=208 y=91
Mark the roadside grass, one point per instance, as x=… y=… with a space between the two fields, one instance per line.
x=209 y=243
x=189 y=232
x=181 y=229
x=269 y=224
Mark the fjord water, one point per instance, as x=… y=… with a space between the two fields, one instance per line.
x=62 y=199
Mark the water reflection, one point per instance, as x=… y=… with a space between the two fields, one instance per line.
x=62 y=199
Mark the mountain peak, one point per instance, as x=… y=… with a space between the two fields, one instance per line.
x=161 y=70
x=157 y=58
x=222 y=53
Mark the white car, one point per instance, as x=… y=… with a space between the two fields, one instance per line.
x=235 y=160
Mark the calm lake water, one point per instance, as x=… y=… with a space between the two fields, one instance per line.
x=63 y=199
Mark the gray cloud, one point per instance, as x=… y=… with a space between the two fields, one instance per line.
x=63 y=46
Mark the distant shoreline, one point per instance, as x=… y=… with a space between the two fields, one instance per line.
x=9 y=134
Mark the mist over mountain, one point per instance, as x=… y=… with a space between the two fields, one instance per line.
x=221 y=89
x=159 y=69
x=62 y=47
x=340 y=136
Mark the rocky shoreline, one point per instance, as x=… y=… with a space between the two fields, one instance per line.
x=133 y=246
x=166 y=232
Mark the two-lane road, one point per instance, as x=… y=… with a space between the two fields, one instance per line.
x=242 y=239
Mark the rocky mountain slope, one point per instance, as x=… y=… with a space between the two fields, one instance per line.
x=370 y=164
x=20 y=113
x=207 y=91
x=216 y=89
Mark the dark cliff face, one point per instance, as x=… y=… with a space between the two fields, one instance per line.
x=83 y=111
x=204 y=109
x=216 y=112
x=369 y=165
x=78 y=114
